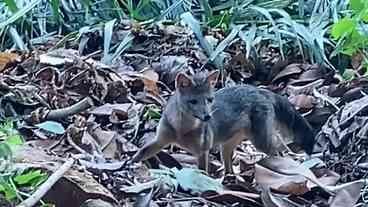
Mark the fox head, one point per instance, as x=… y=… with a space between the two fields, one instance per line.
x=196 y=93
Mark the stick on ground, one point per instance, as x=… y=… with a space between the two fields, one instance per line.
x=46 y=186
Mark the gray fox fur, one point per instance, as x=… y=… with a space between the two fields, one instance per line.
x=197 y=118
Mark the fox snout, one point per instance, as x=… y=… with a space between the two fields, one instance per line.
x=206 y=117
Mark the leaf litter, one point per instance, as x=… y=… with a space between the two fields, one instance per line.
x=69 y=101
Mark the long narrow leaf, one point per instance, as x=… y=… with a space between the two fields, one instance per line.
x=188 y=18
x=11 y=5
x=109 y=26
x=20 y=13
x=224 y=43
x=169 y=9
x=55 y=9
x=206 y=7
x=248 y=38
x=125 y=44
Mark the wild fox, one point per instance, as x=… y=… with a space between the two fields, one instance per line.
x=196 y=118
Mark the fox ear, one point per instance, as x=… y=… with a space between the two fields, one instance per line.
x=213 y=77
x=183 y=81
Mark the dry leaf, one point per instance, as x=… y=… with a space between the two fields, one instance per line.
x=7 y=58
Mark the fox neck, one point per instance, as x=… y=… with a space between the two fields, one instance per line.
x=182 y=121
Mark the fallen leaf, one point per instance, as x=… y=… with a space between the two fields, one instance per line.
x=7 y=58
x=293 y=184
x=290 y=70
x=194 y=181
x=272 y=200
x=51 y=126
x=302 y=101
x=348 y=195
x=233 y=197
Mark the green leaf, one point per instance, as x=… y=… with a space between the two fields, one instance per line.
x=8 y=190
x=168 y=10
x=188 y=18
x=248 y=38
x=196 y=182
x=11 y=5
x=52 y=126
x=348 y=74
x=19 y=14
x=357 y=5
x=109 y=26
x=224 y=43
x=206 y=8
x=30 y=178
x=125 y=44
x=55 y=9
x=152 y=113
x=5 y=151
x=14 y=140
x=344 y=26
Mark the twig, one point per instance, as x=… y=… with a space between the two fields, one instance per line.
x=73 y=109
x=46 y=186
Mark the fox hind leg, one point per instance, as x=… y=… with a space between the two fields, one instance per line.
x=262 y=128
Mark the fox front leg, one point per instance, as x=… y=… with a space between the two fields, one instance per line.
x=203 y=160
x=163 y=138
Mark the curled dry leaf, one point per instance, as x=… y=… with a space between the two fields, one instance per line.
x=293 y=184
x=301 y=101
x=270 y=199
x=290 y=71
x=348 y=195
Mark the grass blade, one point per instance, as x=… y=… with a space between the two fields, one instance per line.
x=248 y=38
x=125 y=44
x=109 y=26
x=20 y=13
x=188 y=18
x=224 y=43
x=11 y=5
x=206 y=8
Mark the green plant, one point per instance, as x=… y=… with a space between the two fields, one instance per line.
x=10 y=183
x=10 y=178
x=351 y=32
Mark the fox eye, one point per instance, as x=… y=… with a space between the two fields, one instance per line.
x=210 y=100
x=193 y=101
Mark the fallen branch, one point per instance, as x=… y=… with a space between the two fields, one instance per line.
x=71 y=110
x=44 y=114
x=46 y=186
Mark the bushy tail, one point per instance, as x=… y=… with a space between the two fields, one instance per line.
x=303 y=133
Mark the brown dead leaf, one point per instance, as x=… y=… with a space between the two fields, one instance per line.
x=311 y=75
x=107 y=141
x=357 y=61
x=7 y=58
x=289 y=167
x=293 y=184
x=272 y=200
x=348 y=195
x=329 y=178
x=302 y=101
x=150 y=78
x=289 y=71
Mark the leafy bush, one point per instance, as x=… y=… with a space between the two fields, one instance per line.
x=351 y=32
